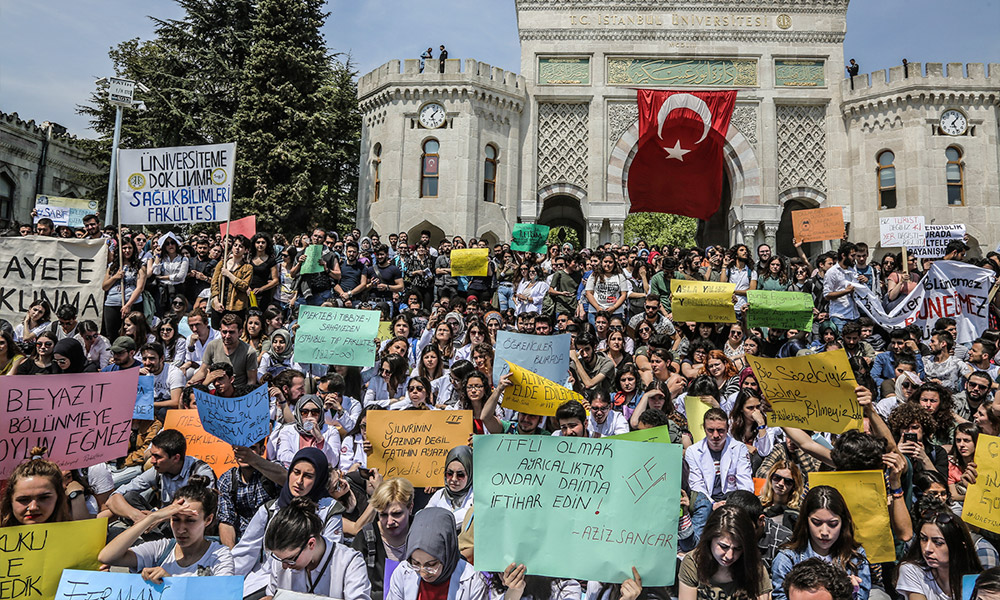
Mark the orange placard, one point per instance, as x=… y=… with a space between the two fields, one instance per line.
x=758 y=485
x=414 y=443
x=818 y=224
x=200 y=444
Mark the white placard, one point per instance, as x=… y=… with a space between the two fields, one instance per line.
x=120 y=91
x=937 y=239
x=897 y=232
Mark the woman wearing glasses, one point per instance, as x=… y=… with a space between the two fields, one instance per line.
x=389 y=384
x=434 y=567
x=303 y=559
x=419 y=395
x=456 y=495
x=782 y=493
x=309 y=431
x=41 y=362
x=943 y=553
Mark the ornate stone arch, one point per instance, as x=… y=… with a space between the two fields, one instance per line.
x=562 y=189
x=803 y=193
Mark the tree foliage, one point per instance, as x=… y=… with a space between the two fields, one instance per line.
x=660 y=228
x=256 y=72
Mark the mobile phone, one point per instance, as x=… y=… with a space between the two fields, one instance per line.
x=909 y=437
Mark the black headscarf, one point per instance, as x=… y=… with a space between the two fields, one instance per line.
x=434 y=531
x=462 y=454
x=317 y=459
x=72 y=350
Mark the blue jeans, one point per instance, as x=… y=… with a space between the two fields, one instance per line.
x=839 y=323
x=315 y=299
x=504 y=293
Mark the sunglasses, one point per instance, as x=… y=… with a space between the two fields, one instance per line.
x=311 y=411
x=788 y=480
x=937 y=516
x=978 y=386
x=44 y=344
x=415 y=388
x=455 y=475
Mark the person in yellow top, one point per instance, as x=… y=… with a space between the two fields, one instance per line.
x=10 y=354
x=231 y=282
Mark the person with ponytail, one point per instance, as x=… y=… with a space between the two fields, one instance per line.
x=189 y=553
x=302 y=559
x=34 y=494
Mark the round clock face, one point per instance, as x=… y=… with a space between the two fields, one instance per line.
x=432 y=116
x=954 y=122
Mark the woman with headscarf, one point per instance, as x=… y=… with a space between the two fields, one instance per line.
x=308 y=476
x=434 y=570
x=278 y=356
x=69 y=356
x=456 y=495
x=308 y=431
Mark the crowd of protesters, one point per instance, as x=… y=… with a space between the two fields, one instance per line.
x=303 y=512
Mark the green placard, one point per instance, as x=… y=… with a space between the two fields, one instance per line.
x=564 y=71
x=674 y=72
x=336 y=336
x=659 y=434
x=575 y=502
x=528 y=237
x=314 y=253
x=781 y=310
x=799 y=73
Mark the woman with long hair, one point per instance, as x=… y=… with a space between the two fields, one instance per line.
x=174 y=345
x=10 y=354
x=724 y=372
x=253 y=330
x=616 y=348
x=697 y=358
x=943 y=553
x=137 y=327
x=402 y=327
x=733 y=346
x=775 y=277
x=782 y=493
x=37 y=318
x=476 y=388
x=266 y=276
x=439 y=333
x=430 y=365
x=737 y=268
x=800 y=275
x=627 y=393
x=530 y=291
x=134 y=275
x=388 y=386
x=748 y=424
x=168 y=270
x=419 y=395
x=475 y=333
x=231 y=282
x=963 y=452
x=824 y=529
x=34 y=493
x=607 y=288
x=726 y=563
x=41 y=362
x=286 y=289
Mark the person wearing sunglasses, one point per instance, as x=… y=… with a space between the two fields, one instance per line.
x=308 y=431
x=419 y=395
x=940 y=554
x=456 y=495
x=782 y=492
x=434 y=567
x=303 y=559
x=41 y=362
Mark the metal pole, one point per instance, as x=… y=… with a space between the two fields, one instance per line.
x=109 y=207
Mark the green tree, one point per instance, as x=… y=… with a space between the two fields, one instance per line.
x=563 y=234
x=660 y=228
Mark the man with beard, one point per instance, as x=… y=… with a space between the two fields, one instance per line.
x=838 y=286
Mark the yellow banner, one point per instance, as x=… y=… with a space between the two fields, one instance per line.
x=695 y=410
x=35 y=555
x=470 y=262
x=982 y=501
x=864 y=492
x=414 y=443
x=384 y=330
x=533 y=394
x=810 y=392
x=702 y=301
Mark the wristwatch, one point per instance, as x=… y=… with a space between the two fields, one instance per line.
x=74 y=495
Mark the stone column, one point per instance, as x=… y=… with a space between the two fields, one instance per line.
x=594 y=230
x=770 y=235
x=750 y=236
x=617 y=232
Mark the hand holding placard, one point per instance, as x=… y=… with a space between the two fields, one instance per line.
x=702 y=301
x=241 y=421
x=336 y=336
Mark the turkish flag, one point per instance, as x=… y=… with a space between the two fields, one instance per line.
x=678 y=167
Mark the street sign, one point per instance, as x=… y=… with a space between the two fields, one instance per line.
x=120 y=92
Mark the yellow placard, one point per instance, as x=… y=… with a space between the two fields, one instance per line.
x=864 y=492
x=702 y=301
x=810 y=392
x=982 y=500
x=533 y=394
x=414 y=443
x=695 y=410
x=35 y=555
x=470 y=262
x=384 y=330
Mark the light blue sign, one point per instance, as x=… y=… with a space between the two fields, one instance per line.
x=144 y=398
x=76 y=584
x=241 y=421
x=545 y=355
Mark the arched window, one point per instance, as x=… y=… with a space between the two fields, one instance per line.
x=886 y=180
x=490 y=174
x=429 y=169
x=955 y=174
x=6 y=198
x=376 y=171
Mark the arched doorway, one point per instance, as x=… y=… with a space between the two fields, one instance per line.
x=716 y=229
x=563 y=211
x=437 y=234
x=783 y=239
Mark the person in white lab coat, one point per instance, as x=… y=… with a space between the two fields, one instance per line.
x=719 y=463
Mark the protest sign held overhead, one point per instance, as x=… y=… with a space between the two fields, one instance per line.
x=702 y=301
x=124 y=586
x=61 y=271
x=64 y=211
x=533 y=394
x=545 y=355
x=947 y=289
x=241 y=421
x=528 y=237
x=982 y=500
x=186 y=184
x=414 y=443
x=246 y=226
x=864 y=492
x=899 y=232
x=818 y=224
x=313 y=254
x=937 y=238
x=576 y=502
x=336 y=336
x=814 y=392
x=781 y=310
x=200 y=443
x=34 y=556
x=82 y=418
x=470 y=262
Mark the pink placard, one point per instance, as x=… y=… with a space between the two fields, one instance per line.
x=246 y=226
x=81 y=418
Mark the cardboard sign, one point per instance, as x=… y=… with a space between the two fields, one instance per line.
x=544 y=355
x=36 y=555
x=62 y=271
x=982 y=500
x=246 y=226
x=470 y=262
x=659 y=434
x=576 y=502
x=865 y=494
x=535 y=395
x=810 y=392
x=64 y=211
x=98 y=584
x=241 y=421
x=200 y=443
x=144 y=398
x=414 y=443
x=528 y=237
x=336 y=336
x=898 y=232
x=188 y=184
x=82 y=418
x=781 y=310
x=702 y=301
x=313 y=254
x=818 y=224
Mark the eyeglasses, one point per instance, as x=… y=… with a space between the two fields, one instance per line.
x=595 y=409
x=384 y=372
x=62 y=361
x=311 y=411
x=429 y=569
x=788 y=480
x=978 y=386
x=290 y=561
x=44 y=344
x=415 y=388
x=455 y=474
x=907 y=385
x=474 y=386
x=177 y=303
x=937 y=516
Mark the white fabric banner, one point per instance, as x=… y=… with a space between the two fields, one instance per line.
x=62 y=271
x=948 y=289
x=189 y=184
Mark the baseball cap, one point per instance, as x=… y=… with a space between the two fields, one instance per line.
x=123 y=343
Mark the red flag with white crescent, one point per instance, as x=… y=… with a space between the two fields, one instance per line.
x=678 y=167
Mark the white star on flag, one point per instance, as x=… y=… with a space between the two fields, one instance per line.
x=676 y=152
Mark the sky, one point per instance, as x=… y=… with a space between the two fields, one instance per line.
x=51 y=51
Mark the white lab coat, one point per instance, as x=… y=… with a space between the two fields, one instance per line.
x=734 y=467
x=466 y=583
x=345 y=577
x=286 y=442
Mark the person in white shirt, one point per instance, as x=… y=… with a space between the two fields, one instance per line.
x=718 y=463
x=203 y=334
x=604 y=421
x=941 y=552
x=456 y=495
x=838 y=286
x=168 y=385
x=95 y=346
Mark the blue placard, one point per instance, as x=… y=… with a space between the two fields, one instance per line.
x=241 y=421
x=545 y=355
x=80 y=585
x=144 y=398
